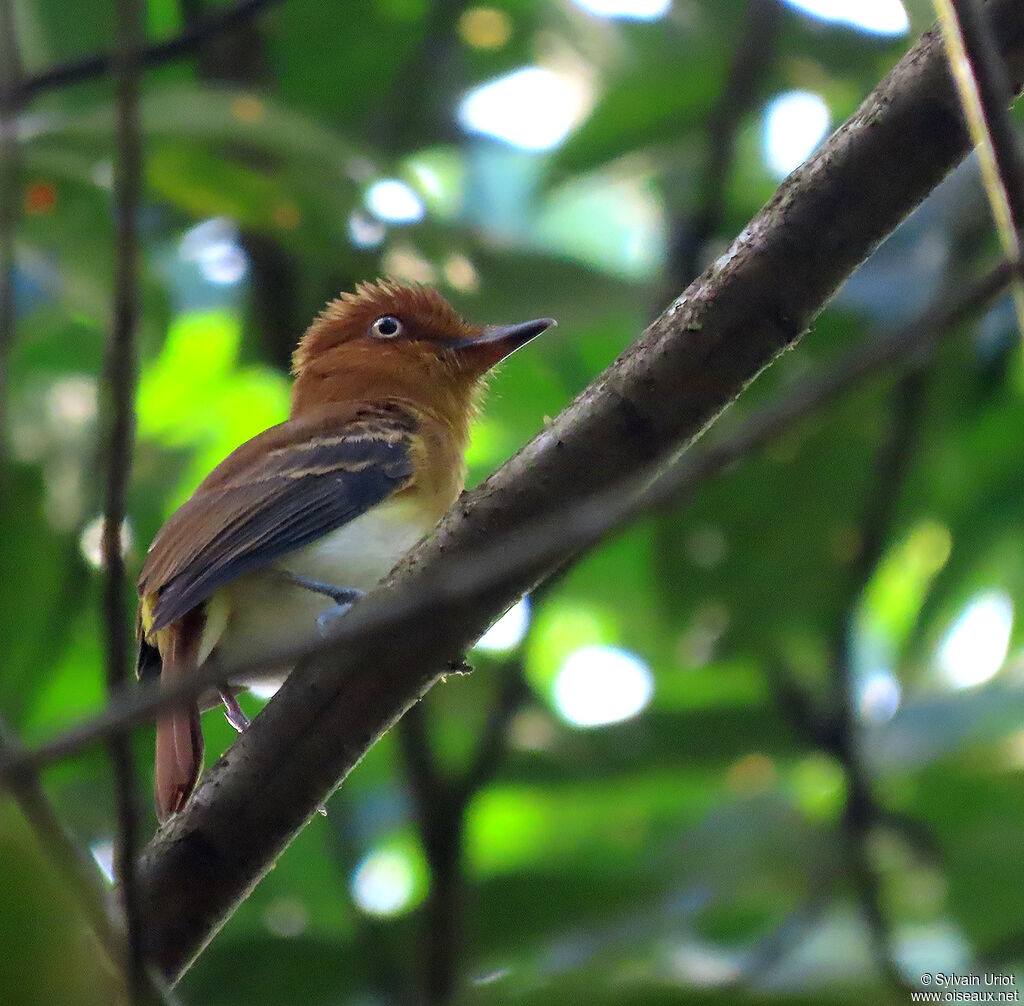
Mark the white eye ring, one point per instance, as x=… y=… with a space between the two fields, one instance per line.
x=386 y=327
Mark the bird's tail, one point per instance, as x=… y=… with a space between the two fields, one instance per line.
x=179 y=736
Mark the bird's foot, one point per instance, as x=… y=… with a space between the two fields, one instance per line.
x=341 y=596
x=233 y=711
x=326 y=619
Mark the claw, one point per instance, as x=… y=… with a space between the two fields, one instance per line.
x=324 y=620
x=233 y=711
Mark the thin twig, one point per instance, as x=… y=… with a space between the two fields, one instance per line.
x=762 y=959
x=10 y=191
x=985 y=94
x=995 y=95
x=74 y=868
x=417 y=756
x=120 y=378
x=374 y=946
x=544 y=540
x=441 y=805
x=59 y=846
x=441 y=824
x=691 y=231
x=837 y=729
x=751 y=60
x=862 y=815
x=185 y=44
x=492 y=746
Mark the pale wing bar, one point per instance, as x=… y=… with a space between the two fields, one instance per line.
x=303 y=493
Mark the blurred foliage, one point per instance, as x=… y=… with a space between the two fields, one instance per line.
x=694 y=852
x=51 y=954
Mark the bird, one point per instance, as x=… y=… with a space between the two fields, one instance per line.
x=292 y=527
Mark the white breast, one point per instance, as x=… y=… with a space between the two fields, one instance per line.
x=263 y=611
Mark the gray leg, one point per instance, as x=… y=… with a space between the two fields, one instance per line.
x=343 y=597
x=340 y=595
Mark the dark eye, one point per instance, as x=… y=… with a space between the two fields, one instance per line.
x=387 y=327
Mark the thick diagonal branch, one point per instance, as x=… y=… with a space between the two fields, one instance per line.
x=690 y=363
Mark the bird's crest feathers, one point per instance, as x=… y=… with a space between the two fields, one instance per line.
x=421 y=309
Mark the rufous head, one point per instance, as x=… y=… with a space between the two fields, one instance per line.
x=390 y=339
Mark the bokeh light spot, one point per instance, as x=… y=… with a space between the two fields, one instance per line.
x=392 y=200
x=214 y=247
x=879 y=695
x=364 y=231
x=40 y=198
x=103 y=854
x=287 y=917
x=878 y=17
x=508 y=631
x=265 y=689
x=485 y=28
x=794 y=124
x=71 y=403
x=533 y=108
x=461 y=274
x=818 y=786
x=976 y=644
x=247 y=108
x=403 y=262
x=602 y=684
x=630 y=10
x=384 y=882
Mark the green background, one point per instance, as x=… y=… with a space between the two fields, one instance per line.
x=698 y=852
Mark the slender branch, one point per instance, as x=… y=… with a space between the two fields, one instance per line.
x=185 y=44
x=691 y=231
x=512 y=693
x=994 y=94
x=63 y=851
x=769 y=952
x=375 y=949
x=441 y=806
x=868 y=885
x=120 y=378
x=441 y=824
x=862 y=815
x=751 y=60
x=74 y=868
x=10 y=193
x=838 y=731
x=417 y=755
x=984 y=91
x=891 y=464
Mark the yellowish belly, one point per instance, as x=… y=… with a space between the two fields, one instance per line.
x=262 y=611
